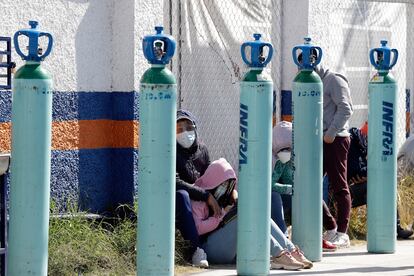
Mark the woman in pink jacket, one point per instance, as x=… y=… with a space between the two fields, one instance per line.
x=219 y=233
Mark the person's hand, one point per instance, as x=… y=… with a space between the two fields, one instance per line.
x=228 y=208
x=328 y=139
x=358 y=179
x=212 y=203
x=234 y=197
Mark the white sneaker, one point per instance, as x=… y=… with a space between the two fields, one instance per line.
x=330 y=235
x=200 y=258
x=341 y=240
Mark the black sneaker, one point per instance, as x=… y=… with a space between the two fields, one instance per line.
x=403 y=233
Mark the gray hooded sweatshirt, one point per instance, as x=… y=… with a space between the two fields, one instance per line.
x=337 y=103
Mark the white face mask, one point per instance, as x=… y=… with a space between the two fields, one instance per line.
x=186 y=139
x=284 y=156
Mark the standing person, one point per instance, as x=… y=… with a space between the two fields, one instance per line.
x=337 y=109
x=191 y=163
x=219 y=234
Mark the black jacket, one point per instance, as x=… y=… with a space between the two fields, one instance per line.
x=191 y=164
x=357 y=154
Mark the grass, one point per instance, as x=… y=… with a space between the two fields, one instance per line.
x=357 y=225
x=79 y=245
x=82 y=246
x=406 y=200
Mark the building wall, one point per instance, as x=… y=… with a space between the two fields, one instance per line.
x=346 y=31
x=96 y=65
x=97 y=62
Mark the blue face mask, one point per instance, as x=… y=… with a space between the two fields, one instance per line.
x=186 y=139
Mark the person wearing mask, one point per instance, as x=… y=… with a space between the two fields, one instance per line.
x=282 y=181
x=219 y=234
x=191 y=162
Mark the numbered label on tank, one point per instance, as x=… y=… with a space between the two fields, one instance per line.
x=156 y=96
x=309 y=93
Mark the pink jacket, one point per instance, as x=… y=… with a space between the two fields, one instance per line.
x=218 y=172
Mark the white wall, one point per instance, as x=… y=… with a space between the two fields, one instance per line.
x=97 y=43
x=294 y=28
x=148 y=14
x=124 y=48
x=346 y=31
x=62 y=19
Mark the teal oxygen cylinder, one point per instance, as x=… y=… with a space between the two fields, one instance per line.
x=307 y=92
x=382 y=152
x=255 y=148
x=156 y=162
x=31 y=153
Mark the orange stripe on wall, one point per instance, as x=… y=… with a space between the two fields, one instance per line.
x=84 y=134
x=287 y=118
x=94 y=134
x=5 y=137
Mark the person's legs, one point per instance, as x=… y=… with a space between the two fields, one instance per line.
x=325 y=189
x=335 y=161
x=329 y=222
x=279 y=242
x=221 y=245
x=287 y=208
x=277 y=211
x=184 y=218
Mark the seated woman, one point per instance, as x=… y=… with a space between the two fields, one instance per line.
x=219 y=233
x=282 y=181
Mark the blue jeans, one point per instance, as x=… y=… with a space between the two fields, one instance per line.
x=281 y=204
x=221 y=245
x=184 y=220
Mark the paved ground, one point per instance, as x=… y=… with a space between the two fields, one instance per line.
x=352 y=261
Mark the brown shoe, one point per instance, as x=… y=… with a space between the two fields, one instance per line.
x=298 y=255
x=285 y=261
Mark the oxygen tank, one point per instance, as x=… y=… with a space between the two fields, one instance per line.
x=255 y=149
x=31 y=154
x=156 y=162
x=382 y=153
x=307 y=92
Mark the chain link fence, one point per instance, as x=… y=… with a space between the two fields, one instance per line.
x=208 y=64
x=355 y=27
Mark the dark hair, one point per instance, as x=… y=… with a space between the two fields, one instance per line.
x=223 y=196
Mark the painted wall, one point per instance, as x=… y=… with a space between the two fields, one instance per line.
x=96 y=65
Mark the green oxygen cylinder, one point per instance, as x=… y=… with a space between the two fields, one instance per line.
x=382 y=153
x=31 y=153
x=307 y=92
x=156 y=162
x=255 y=148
